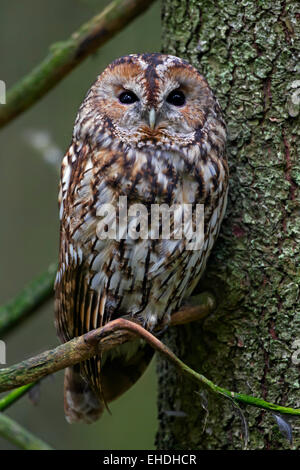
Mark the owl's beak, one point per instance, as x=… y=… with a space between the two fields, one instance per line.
x=152 y=118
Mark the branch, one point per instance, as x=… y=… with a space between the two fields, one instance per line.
x=85 y=346
x=19 y=436
x=121 y=323
x=23 y=439
x=109 y=336
x=29 y=299
x=65 y=56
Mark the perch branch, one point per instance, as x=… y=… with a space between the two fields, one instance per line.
x=66 y=55
x=19 y=436
x=83 y=347
x=29 y=299
x=105 y=338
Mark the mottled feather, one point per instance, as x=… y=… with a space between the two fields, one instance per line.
x=116 y=153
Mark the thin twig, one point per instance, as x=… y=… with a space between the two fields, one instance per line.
x=14 y=396
x=121 y=323
x=36 y=293
x=79 y=349
x=16 y=434
x=66 y=55
x=105 y=338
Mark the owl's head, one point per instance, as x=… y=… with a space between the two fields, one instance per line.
x=149 y=99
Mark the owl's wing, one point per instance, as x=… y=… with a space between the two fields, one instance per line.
x=70 y=284
x=76 y=305
x=80 y=300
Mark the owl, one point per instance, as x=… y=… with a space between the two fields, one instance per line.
x=150 y=134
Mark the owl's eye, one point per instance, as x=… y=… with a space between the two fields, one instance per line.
x=128 y=97
x=176 y=97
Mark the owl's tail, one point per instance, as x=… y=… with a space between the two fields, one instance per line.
x=118 y=369
x=81 y=403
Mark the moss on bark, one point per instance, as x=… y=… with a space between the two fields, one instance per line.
x=249 y=52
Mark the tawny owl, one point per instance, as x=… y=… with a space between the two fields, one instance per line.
x=150 y=132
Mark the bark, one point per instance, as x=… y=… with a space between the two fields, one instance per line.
x=248 y=51
x=101 y=339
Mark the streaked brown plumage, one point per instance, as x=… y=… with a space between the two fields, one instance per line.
x=154 y=148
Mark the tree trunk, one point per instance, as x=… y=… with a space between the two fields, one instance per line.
x=248 y=51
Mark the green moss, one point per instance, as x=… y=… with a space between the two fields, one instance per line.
x=249 y=52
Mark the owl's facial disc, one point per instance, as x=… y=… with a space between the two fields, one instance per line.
x=149 y=115
x=153 y=99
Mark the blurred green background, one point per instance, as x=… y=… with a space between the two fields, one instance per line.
x=30 y=146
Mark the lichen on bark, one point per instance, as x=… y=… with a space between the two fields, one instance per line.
x=249 y=53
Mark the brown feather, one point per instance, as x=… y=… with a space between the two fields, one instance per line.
x=114 y=152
